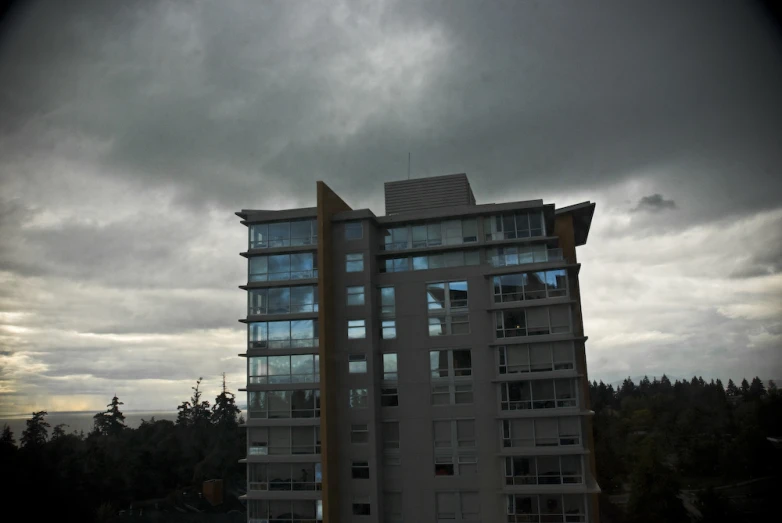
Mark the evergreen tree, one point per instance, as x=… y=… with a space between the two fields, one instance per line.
x=772 y=388
x=665 y=383
x=225 y=411
x=184 y=416
x=645 y=385
x=111 y=422
x=8 y=436
x=58 y=431
x=654 y=495
x=627 y=390
x=732 y=390
x=37 y=431
x=195 y=411
x=745 y=388
x=756 y=389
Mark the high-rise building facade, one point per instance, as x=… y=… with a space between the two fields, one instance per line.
x=423 y=366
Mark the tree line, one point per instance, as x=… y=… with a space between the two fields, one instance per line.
x=686 y=450
x=90 y=477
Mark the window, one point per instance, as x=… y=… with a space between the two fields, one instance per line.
x=388 y=330
x=449 y=232
x=530 y=286
x=533 y=322
x=457 y=506
x=280 y=267
x=516 y=225
x=546 y=507
x=358 y=399
x=538 y=394
x=389 y=397
x=447 y=304
x=282 y=300
x=390 y=371
x=282 y=334
x=354 y=231
x=359 y=433
x=360 y=470
x=357 y=364
x=451 y=376
x=354 y=262
x=454 y=447
x=543 y=470
x=285 y=476
x=356 y=295
x=356 y=329
x=304 y=368
x=283 y=511
x=536 y=357
x=391 y=436
x=400 y=264
x=283 y=234
x=519 y=255
x=387 y=301
x=277 y=441
x=361 y=509
x=541 y=432
x=301 y=403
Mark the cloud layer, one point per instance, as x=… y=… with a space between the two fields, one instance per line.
x=130 y=132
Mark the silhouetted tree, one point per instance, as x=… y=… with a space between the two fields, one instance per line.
x=37 y=431
x=756 y=389
x=111 y=422
x=225 y=411
x=8 y=436
x=732 y=390
x=58 y=431
x=745 y=388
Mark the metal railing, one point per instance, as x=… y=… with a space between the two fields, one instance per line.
x=284 y=344
x=283 y=450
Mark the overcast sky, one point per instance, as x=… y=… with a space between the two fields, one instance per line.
x=131 y=131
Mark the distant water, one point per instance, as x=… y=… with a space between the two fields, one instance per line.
x=81 y=421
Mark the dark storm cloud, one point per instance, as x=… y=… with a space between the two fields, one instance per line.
x=654 y=203
x=227 y=102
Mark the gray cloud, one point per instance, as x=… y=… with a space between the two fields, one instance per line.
x=654 y=203
x=132 y=131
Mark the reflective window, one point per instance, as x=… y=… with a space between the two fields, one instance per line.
x=359 y=399
x=533 y=321
x=513 y=225
x=357 y=329
x=282 y=334
x=538 y=394
x=355 y=295
x=357 y=364
x=354 y=231
x=538 y=357
x=354 y=262
x=451 y=372
x=530 y=286
x=390 y=371
x=447 y=304
x=282 y=300
x=454 y=447
x=541 y=432
x=283 y=404
x=280 y=267
x=304 y=368
x=388 y=329
x=283 y=234
x=543 y=470
x=387 y=301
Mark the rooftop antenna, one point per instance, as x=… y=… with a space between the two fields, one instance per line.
x=408 y=165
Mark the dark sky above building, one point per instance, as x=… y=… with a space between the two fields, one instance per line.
x=131 y=131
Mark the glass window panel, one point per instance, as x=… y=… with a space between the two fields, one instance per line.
x=574 y=506
x=419 y=236
x=537 y=321
x=435 y=261
x=387 y=300
x=453 y=232
x=257 y=301
x=556 y=283
x=472 y=258
x=536 y=223
x=354 y=231
x=302 y=265
x=357 y=364
x=279 y=300
x=546 y=432
x=279 y=369
x=279 y=266
x=359 y=433
x=470 y=230
x=560 y=318
x=399 y=237
x=279 y=332
x=462 y=362
x=435 y=296
x=446 y=505
x=354 y=262
x=535 y=285
x=388 y=330
x=259 y=267
x=358 y=398
x=420 y=263
x=517 y=358
x=356 y=295
x=434 y=234
x=304 y=368
x=356 y=329
x=301 y=232
x=540 y=357
x=438 y=363
x=390 y=371
x=563 y=355
x=302 y=330
x=258 y=235
x=457 y=291
x=437 y=326
x=279 y=403
x=279 y=234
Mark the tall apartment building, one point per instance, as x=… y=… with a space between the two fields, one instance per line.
x=423 y=366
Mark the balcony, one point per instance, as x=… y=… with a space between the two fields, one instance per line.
x=284 y=344
x=509 y=260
